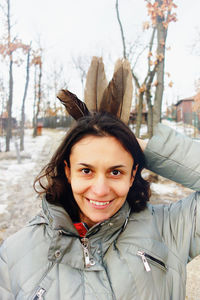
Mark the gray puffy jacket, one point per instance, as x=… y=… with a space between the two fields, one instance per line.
x=135 y=256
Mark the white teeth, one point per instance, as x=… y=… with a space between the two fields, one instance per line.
x=99 y=203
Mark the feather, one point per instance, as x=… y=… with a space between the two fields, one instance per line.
x=127 y=92
x=113 y=94
x=96 y=83
x=75 y=107
x=117 y=97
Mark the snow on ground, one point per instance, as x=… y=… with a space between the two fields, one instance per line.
x=166 y=189
x=185 y=129
x=18 y=201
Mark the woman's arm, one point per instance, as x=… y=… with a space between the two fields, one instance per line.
x=177 y=157
x=174 y=156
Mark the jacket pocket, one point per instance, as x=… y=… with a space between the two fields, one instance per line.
x=148 y=259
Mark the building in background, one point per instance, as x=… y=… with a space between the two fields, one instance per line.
x=4 y=122
x=170 y=113
x=186 y=113
x=184 y=110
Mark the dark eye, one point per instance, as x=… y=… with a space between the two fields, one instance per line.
x=116 y=172
x=86 y=171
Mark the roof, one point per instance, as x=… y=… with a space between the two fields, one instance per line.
x=184 y=100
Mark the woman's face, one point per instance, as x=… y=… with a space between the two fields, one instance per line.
x=100 y=175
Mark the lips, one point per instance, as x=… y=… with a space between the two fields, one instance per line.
x=99 y=204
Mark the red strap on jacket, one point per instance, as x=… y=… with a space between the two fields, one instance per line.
x=81 y=228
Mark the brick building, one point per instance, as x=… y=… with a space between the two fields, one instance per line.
x=184 y=109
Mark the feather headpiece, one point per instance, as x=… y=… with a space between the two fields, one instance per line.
x=96 y=83
x=115 y=97
x=75 y=107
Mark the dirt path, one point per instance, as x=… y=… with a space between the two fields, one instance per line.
x=23 y=204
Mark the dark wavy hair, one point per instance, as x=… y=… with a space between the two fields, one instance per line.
x=58 y=190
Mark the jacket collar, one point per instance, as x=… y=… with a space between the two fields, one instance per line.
x=100 y=236
x=59 y=219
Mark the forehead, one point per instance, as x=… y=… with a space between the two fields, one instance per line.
x=104 y=149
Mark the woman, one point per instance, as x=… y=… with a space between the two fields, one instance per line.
x=97 y=238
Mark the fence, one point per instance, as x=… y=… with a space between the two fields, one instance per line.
x=192 y=118
x=56 y=121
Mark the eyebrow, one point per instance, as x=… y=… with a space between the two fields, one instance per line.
x=112 y=167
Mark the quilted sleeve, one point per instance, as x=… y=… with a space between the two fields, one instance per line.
x=180 y=227
x=174 y=156
x=5 y=287
x=177 y=157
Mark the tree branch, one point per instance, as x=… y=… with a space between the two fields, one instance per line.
x=151 y=46
x=121 y=30
x=135 y=79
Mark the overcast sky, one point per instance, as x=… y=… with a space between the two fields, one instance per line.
x=69 y=28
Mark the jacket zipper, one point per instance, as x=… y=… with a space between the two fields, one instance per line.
x=144 y=260
x=88 y=260
x=40 y=291
x=145 y=257
x=39 y=294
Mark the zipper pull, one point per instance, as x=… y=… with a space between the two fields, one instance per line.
x=87 y=257
x=39 y=294
x=144 y=260
x=88 y=261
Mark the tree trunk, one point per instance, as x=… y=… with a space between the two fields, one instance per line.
x=35 y=98
x=139 y=115
x=150 y=78
x=9 y=107
x=149 y=102
x=150 y=119
x=161 y=39
x=23 y=104
x=39 y=100
x=10 y=97
x=150 y=110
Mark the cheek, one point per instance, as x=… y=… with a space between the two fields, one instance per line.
x=79 y=186
x=122 y=189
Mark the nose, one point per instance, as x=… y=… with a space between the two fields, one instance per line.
x=100 y=186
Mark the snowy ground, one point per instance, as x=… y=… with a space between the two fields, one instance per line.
x=18 y=201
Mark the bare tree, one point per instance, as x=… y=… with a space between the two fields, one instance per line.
x=144 y=87
x=55 y=81
x=10 y=97
x=3 y=96
x=37 y=62
x=23 y=102
x=81 y=64
x=161 y=15
x=58 y=82
x=195 y=47
x=7 y=49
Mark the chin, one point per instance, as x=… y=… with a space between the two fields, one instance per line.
x=99 y=220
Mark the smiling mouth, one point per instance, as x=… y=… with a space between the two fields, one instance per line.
x=99 y=203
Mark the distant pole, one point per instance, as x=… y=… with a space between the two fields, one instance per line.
x=17 y=151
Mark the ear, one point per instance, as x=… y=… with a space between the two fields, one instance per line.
x=67 y=171
x=133 y=175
